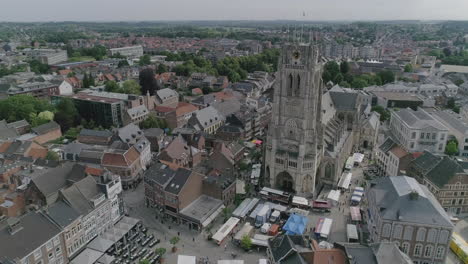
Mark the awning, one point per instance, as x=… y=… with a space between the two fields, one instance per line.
x=355 y=213
x=213 y=216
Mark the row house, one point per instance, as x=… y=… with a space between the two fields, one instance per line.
x=392 y=158
x=179 y=153
x=445 y=178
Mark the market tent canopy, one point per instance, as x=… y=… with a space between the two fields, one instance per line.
x=295 y=225
x=355 y=213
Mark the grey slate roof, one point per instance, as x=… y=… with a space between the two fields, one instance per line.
x=388 y=253
x=81 y=194
x=36 y=231
x=387 y=145
x=178 y=181
x=17 y=124
x=45 y=128
x=419 y=119
x=208 y=116
x=160 y=173
x=153 y=132
x=62 y=214
x=438 y=169
x=96 y=133
x=392 y=196
x=284 y=249
x=344 y=101
x=130 y=133
x=55 y=179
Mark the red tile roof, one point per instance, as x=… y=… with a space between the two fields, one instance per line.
x=163 y=109
x=94 y=171
x=184 y=108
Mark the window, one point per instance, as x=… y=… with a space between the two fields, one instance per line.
x=421 y=235
x=431 y=235
x=413 y=135
x=444 y=234
x=386 y=230
x=412 y=145
x=428 y=135
x=417 y=250
x=405 y=247
x=433 y=136
x=422 y=135
x=49 y=245
x=440 y=252
x=442 y=136
x=51 y=256
x=408 y=235
x=397 y=232
x=428 y=251
x=440 y=146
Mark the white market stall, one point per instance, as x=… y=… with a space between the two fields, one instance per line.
x=225 y=230
x=334 y=197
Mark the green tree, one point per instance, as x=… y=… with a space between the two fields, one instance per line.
x=331 y=69
x=52 y=155
x=227 y=212
x=38 y=67
x=112 y=86
x=144 y=60
x=153 y=122
x=451 y=103
x=359 y=83
x=408 y=68
x=384 y=113
x=338 y=78
x=160 y=252
x=344 y=67
x=67 y=115
x=72 y=133
x=122 y=63
x=451 y=148
x=345 y=84
x=246 y=243
x=458 y=82
x=130 y=87
x=161 y=68
x=19 y=107
x=386 y=76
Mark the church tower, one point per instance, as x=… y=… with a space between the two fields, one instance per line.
x=294 y=143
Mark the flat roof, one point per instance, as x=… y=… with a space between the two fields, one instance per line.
x=202 y=208
x=398 y=96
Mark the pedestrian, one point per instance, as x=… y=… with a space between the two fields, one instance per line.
x=193 y=239
x=225 y=246
x=178 y=233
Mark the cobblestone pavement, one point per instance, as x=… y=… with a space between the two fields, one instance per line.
x=340 y=213
x=191 y=242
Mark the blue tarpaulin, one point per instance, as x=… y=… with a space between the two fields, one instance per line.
x=295 y=225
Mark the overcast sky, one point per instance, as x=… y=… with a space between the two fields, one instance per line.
x=123 y=10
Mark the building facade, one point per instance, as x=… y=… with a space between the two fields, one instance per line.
x=294 y=140
x=403 y=211
x=418 y=130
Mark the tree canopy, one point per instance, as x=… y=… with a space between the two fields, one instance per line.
x=67 y=115
x=19 y=107
x=451 y=148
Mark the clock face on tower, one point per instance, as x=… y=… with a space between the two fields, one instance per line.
x=296 y=55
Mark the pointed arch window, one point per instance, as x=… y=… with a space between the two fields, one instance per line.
x=290 y=85
x=298 y=85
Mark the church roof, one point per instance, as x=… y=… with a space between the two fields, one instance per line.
x=344 y=101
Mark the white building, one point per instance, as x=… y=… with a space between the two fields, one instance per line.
x=457 y=126
x=133 y=51
x=392 y=158
x=49 y=56
x=418 y=130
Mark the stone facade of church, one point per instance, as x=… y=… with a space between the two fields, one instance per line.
x=312 y=131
